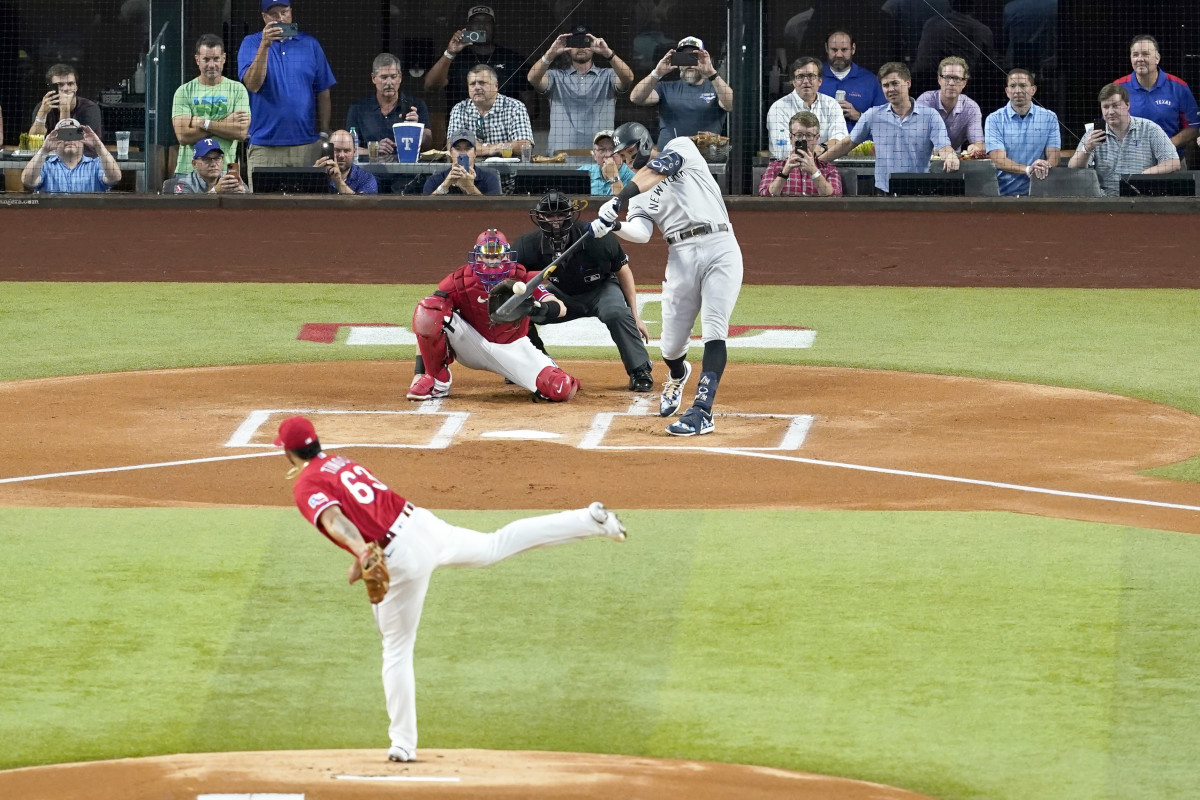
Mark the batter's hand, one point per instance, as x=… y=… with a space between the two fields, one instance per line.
x=600 y=228
x=611 y=210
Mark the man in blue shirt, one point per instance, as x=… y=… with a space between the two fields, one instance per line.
x=1159 y=96
x=464 y=177
x=288 y=78
x=67 y=169
x=859 y=88
x=698 y=101
x=1022 y=139
x=373 y=117
x=905 y=134
x=346 y=177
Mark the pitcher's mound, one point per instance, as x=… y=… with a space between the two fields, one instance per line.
x=361 y=774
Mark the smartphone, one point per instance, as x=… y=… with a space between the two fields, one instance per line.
x=288 y=29
x=464 y=161
x=326 y=148
x=685 y=58
x=233 y=168
x=802 y=145
x=70 y=134
x=579 y=40
x=474 y=37
x=1099 y=125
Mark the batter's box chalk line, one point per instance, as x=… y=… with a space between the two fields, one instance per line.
x=793 y=436
x=442 y=438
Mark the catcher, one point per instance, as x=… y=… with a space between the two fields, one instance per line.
x=454 y=323
x=396 y=547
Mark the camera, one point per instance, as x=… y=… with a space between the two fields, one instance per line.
x=802 y=145
x=579 y=40
x=475 y=37
x=685 y=58
x=70 y=134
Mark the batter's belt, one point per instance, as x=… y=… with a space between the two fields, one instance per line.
x=699 y=230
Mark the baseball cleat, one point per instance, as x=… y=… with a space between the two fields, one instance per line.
x=401 y=754
x=613 y=528
x=694 y=422
x=672 y=393
x=641 y=380
x=427 y=387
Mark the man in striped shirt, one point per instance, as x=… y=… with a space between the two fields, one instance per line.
x=1125 y=145
x=67 y=169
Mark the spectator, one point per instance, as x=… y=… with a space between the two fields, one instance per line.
x=1160 y=96
x=1126 y=145
x=1029 y=28
x=698 y=101
x=501 y=124
x=905 y=134
x=860 y=88
x=907 y=20
x=960 y=114
x=63 y=102
x=463 y=177
x=68 y=170
x=1022 y=139
x=210 y=106
x=209 y=173
x=801 y=174
x=610 y=173
x=583 y=97
x=373 y=117
x=346 y=177
x=806 y=78
x=949 y=35
x=288 y=78
x=451 y=70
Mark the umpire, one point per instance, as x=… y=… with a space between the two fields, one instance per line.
x=594 y=282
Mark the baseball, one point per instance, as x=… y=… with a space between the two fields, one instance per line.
x=518 y=288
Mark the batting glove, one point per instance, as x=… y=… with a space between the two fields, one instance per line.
x=600 y=228
x=611 y=210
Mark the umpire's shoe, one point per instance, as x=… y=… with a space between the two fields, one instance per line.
x=694 y=422
x=427 y=387
x=401 y=754
x=672 y=393
x=640 y=380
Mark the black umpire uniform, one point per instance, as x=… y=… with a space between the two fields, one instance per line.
x=588 y=286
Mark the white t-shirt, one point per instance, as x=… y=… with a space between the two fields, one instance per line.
x=684 y=200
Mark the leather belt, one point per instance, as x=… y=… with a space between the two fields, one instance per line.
x=397 y=526
x=699 y=230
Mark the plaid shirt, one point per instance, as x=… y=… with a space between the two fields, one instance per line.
x=506 y=121
x=799 y=183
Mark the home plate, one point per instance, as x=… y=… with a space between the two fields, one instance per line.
x=520 y=435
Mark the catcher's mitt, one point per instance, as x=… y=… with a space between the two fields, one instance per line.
x=499 y=294
x=375 y=572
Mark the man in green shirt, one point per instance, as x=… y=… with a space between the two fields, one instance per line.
x=211 y=106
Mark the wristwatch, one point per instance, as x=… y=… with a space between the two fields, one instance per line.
x=207 y=123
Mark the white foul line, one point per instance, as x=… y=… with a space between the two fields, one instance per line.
x=101 y=470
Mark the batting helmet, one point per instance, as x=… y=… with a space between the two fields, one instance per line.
x=555 y=214
x=491 y=244
x=633 y=134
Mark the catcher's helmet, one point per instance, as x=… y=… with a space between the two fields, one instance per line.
x=491 y=244
x=633 y=134
x=555 y=214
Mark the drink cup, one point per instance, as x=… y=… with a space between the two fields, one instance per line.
x=506 y=152
x=122 y=145
x=526 y=153
x=373 y=152
x=840 y=94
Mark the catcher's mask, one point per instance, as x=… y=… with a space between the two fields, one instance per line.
x=633 y=135
x=491 y=244
x=555 y=215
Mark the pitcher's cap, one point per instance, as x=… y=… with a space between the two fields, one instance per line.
x=295 y=433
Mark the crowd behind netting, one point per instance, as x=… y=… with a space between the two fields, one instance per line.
x=839 y=121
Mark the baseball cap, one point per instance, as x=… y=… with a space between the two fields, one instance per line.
x=206 y=146
x=690 y=41
x=581 y=28
x=266 y=4
x=295 y=433
x=458 y=136
x=476 y=10
x=67 y=122
x=601 y=135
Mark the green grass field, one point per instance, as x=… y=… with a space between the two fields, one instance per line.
x=968 y=655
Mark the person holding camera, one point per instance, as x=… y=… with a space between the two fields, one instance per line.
x=698 y=101
x=1120 y=144
x=63 y=102
x=801 y=174
x=806 y=77
x=346 y=177
x=67 y=170
x=583 y=97
x=288 y=78
x=501 y=123
x=474 y=45
x=463 y=177
x=209 y=173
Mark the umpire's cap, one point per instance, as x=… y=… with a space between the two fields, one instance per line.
x=629 y=135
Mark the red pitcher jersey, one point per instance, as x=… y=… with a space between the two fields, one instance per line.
x=338 y=481
x=470 y=299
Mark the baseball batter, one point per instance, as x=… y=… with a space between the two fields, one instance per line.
x=355 y=511
x=453 y=324
x=675 y=191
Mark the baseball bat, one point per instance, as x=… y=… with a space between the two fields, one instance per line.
x=510 y=306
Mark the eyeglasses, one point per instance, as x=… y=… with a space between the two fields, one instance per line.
x=805 y=77
x=602 y=149
x=952 y=79
x=807 y=135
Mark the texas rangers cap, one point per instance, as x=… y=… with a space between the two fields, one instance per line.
x=295 y=433
x=206 y=146
x=266 y=4
x=476 y=10
x=690 y=41
x=601 y=135
x=458 y=136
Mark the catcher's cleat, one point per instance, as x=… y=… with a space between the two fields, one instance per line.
x=427 y=387
x=613 y=528
x=672 y=393
x=641 y=380
x=401 y=754
x=694 y=422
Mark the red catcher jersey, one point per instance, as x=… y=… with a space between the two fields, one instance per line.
x=470 y=299
x=338 y=481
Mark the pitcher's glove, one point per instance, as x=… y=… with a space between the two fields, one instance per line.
x=499 y=294
x=375 y=572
